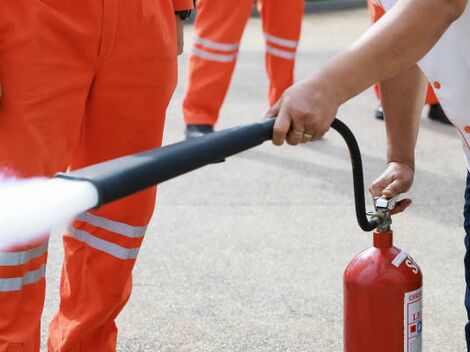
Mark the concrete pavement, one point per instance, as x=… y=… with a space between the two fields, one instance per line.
x=248 y=255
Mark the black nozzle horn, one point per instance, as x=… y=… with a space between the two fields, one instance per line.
x=118 y=178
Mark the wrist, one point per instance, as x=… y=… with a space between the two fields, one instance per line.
x=410 y=164
x=321 y=85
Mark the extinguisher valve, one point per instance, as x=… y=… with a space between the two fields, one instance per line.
x=382 y=214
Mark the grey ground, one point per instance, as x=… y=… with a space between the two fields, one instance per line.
x=248 y=255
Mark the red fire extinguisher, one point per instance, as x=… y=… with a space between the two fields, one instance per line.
x=383 y=295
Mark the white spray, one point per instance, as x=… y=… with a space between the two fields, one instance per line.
x=30 y=209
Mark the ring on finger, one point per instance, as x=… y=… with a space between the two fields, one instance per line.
x=297 y=133
x=307 y=135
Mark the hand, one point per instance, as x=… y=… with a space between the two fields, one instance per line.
x=304 y=112
x=396 y=179
x=179 y=35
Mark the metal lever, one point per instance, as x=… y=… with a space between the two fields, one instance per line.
x=383 y=210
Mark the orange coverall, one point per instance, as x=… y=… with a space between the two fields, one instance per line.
x=376 y=12
x=83 y=82
x=219 y=27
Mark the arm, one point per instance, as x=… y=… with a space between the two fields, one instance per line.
x=181 y=5
x=396 y=43
x=179 y=34
x=402 y=99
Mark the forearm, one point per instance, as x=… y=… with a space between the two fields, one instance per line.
x=403 y=97
x=179 y=35
x=399 y=40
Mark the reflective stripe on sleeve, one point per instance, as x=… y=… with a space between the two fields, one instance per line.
x=104 y=246
x=280 y=53
x=213 y=57
x=17 y=283
x=281 y=41
x=215 y=45
x=113 y=226
x=20 y=258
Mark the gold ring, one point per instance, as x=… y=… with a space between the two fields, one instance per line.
x=308 y=135
x=297 y=133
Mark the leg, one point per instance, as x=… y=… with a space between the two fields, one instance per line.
x=44 y=85
x=282 y=23
x=125 y=114
x=219 y=27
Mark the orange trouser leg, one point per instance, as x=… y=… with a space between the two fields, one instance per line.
x=125 y=114
x=282 y=23
x=46 y=67
x=376 y=12
x=218 y=29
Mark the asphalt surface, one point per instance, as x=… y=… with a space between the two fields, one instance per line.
x=248 y=255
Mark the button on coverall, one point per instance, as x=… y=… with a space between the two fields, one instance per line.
x=83 y=81
x=219 y=27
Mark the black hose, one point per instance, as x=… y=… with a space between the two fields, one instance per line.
x=358 y=175
x=124 y=176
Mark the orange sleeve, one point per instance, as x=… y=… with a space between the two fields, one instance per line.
x=181 y=5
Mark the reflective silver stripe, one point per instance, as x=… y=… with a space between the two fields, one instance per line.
x=280 y=53
x=213 y=57
x=214 y=45
x=17 y=283
x=281 y=41
x=113 y=226
x=104 y=246
x=20 y=258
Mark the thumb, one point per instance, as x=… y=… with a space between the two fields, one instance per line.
x=274 y=110
x=393 y=189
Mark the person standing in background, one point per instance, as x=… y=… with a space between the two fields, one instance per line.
x=218 y=30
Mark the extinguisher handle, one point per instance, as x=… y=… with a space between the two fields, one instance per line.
x=358 y=176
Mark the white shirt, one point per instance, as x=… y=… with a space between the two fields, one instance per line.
x=447 y=67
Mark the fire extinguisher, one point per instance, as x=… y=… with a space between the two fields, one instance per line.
x=383 y=294
x=382 y=285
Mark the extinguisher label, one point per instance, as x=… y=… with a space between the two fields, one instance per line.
x=399 y=259
x=413 y=306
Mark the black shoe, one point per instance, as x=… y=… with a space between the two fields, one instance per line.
x=195 y=131
x=437 y=114
x=379 y=113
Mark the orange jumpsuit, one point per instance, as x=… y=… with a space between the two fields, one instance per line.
x=376 y=12
x=83 y=82
x=218 y=29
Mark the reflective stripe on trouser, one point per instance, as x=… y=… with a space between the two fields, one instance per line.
x=82 y=83
x=219 y=27
x=281 y=25
x=376 y=12
x=22 y=288
x=107 y=250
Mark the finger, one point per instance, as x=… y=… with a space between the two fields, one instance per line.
x=274 y=110
x=282 y=126
x=307 y=137
x=393 y=189
x=401 y=206
x=377 y=189
x=296 y=132
x=316 y=136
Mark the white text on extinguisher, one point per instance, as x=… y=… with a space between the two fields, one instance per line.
x=410 y=263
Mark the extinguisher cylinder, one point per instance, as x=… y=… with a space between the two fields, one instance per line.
x=383 y=300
